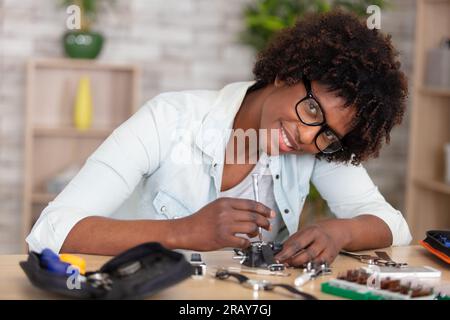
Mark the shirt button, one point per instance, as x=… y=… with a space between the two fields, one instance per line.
x=286 y=210
x=163 y=209
x=277 y=176
x=215 y=165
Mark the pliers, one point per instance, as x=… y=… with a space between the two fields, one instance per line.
x=381 y=259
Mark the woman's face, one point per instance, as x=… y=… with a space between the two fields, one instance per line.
x=278 y=112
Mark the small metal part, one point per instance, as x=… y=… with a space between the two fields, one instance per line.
x=258 y=271
x=99 y=279
x=238 y=257
x=199 y=270
x=198 y=266
x=311 y=271
x=196 y=257
x=364 y=258
x=276 y=267
x=388 y=261
x=257 y=285
x=325 y=269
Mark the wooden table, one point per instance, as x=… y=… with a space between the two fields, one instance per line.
x=15 y=285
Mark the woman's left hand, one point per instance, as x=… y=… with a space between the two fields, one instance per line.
x=317 y=243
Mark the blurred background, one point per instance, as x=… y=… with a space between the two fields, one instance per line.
x=62 y=92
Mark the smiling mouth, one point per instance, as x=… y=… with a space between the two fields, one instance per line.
x=285 y=138
x=289 y=139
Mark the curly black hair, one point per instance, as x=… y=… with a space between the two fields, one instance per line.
x=339 y=51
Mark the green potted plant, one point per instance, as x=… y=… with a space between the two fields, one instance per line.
x=263 y=19
x=84 y=43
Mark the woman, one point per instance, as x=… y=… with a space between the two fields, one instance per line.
x=327 y=93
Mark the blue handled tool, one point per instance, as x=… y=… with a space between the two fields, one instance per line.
x=51 y=262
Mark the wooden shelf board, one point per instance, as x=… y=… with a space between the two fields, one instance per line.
x=62 y=63
x=71 y=132
x=434 y=185
x=435 y=91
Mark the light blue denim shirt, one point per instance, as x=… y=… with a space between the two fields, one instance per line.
x=166 y=162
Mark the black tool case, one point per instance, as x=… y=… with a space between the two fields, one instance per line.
x=434 y=243
x=134 y=274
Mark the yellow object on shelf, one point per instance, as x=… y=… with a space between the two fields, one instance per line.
x=74 y=261
x=83 y=105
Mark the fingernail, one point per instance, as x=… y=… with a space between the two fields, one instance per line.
x=272 y=214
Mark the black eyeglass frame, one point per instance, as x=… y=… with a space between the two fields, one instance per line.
x=324 y=126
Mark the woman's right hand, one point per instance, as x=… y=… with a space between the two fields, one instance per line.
x=215 y=225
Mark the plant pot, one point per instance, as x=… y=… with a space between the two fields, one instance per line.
x=82 y=44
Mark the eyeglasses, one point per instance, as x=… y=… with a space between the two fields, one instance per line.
x=310 y=113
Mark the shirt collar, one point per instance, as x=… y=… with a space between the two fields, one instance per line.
x=219 y=121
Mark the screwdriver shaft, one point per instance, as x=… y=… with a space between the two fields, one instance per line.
x=255 y=177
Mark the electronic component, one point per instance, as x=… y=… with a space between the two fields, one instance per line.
x=311 y=271
x=260 y=255
x=409 y=271
x=198 y=266
x=361 y=285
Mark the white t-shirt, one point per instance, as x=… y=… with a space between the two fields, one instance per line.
x=244 y=190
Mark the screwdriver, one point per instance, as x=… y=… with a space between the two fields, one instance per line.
x=75 y=261
x=51 y=262
x=255 y=177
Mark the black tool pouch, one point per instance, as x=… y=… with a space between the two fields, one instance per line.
x=136 y=273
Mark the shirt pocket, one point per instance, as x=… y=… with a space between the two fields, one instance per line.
x=166 y=205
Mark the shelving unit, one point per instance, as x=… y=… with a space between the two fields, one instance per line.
x=428 y=196
x=52 y=143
